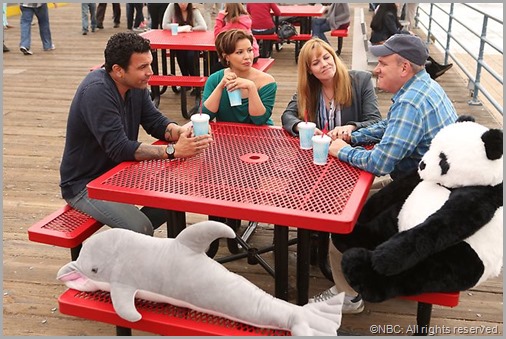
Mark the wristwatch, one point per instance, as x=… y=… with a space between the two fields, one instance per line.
x=170 y=150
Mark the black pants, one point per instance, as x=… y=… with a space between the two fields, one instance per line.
x=265 y=45
x=186 y=61
x=116 y=10
x=139 y=17
x=156 y=11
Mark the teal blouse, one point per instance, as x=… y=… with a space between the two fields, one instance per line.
x=240 y=113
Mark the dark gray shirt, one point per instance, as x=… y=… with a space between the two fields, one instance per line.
x=102 y=130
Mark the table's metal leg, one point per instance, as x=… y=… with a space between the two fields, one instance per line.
x=323 y=255
x=74 y=252
x=123 y=331
x=303 y=254
x=176 y=222
x=155 y=90
x=281 y=261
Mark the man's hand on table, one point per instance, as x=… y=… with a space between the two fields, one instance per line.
x=336 y=146
x=188 y=146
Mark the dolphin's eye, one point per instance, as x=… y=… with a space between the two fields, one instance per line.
x=94 y=270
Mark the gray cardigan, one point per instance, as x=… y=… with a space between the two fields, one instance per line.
x=338 y=14
x=363 y=111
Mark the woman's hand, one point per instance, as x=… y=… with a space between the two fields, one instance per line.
x=240 y=83
x=342 y=132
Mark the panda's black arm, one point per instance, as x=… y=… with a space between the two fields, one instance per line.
x=465 y=212
x=388 y=196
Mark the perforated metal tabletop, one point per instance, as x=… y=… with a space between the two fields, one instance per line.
x=249 y=172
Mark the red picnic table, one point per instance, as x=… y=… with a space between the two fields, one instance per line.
x=251 y=173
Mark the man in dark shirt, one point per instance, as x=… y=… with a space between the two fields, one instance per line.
x=108 y=108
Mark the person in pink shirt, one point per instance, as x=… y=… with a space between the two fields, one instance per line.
x=234 y=15
x=262 y=23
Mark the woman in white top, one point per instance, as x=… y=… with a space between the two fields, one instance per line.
x=189 y=19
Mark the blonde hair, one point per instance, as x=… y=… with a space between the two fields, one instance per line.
x=309 y=87
x=234 y=10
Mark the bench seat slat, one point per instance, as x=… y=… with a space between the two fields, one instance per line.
x=177 y=80
x=160 y=318
x=342 y=33
x=66 y=227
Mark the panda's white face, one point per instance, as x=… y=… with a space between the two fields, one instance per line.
x=457 y=158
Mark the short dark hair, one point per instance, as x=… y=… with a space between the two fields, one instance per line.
x=226 y=41
x=120 y=48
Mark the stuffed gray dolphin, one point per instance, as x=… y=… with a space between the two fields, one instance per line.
x=177 y=271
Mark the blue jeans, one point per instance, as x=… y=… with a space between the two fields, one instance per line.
x=42 y=14
x=319 y=26
x=91 y=8
x=118 y=215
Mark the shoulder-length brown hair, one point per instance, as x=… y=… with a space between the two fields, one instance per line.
x=309 y=87
x=226 y=42
x=234 y=10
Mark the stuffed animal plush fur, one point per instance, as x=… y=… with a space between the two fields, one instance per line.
x=437 y=230
x=177 y=271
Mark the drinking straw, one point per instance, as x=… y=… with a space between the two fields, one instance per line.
x=325 y=129
x=200 y=108
x=305 y=116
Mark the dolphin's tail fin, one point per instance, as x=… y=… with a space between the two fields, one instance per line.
x=320 y=318
x=198 y=236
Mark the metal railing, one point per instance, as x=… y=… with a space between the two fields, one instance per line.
x=444 y=23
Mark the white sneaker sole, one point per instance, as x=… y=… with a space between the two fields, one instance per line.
x=347 y=309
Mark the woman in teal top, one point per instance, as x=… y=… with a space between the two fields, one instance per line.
x=258 y=89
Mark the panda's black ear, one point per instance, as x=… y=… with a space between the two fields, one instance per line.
x=462 y=118
x=493 y=143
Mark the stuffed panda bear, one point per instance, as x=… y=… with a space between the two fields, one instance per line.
x=436 y=230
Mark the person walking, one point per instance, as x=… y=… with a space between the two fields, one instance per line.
x=116 y=12
x=88 y=8
x=41 y=11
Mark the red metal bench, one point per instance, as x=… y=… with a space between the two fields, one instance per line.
x=340 y=34
x=159 y=318
x=424 y=310
x=65 y=227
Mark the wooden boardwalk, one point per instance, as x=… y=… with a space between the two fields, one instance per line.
x=37 y=91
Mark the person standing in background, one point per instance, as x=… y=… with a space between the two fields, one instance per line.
x=262 y=23
x=132 y=24
x=410 y=9
x=116 y=12
x=90 y=8
x=41 y=11
x=337 y=16
x=6 y=26
x=156 y=11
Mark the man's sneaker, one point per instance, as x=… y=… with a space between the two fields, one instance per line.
x=351 y=305
x=25 y=51
x=50 y=48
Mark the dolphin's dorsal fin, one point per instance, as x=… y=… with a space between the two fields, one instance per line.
x=200 y=235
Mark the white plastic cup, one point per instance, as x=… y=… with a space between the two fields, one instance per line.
x=200 y=124
x=321 y=146
x=306 y=132
x=235 y=97
x=173 y=28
